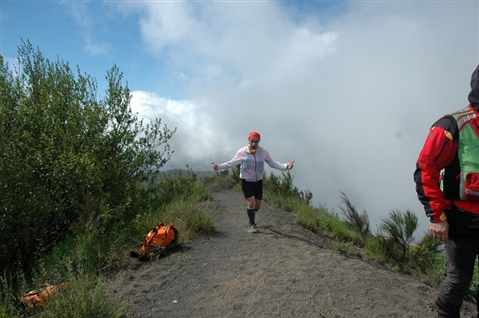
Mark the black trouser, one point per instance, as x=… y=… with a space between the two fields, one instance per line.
x=461 y=253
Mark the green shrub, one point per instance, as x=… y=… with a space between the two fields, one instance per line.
x=426 y=251
x=397 y=234
x=360 y=222
x=377 y=250
x=280 y=192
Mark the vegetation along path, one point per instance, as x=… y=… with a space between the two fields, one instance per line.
x=282 y=271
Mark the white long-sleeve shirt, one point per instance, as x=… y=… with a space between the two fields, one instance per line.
x=252 y=165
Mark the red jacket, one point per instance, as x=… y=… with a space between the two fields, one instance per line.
x=439 y=152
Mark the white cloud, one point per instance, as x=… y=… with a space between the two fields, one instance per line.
x=196 y=137
x=244 y=38
x=167 y=24
x=350 y=100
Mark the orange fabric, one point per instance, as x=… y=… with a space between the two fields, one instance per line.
x=37 y=298
x=254 y=134
x=160 y=236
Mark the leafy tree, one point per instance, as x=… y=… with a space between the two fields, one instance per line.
x=68 y=156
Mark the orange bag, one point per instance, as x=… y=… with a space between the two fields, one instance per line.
x=160 y=236
x=36 y=298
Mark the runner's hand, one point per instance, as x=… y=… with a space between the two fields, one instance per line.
x=215 y=166
x=289 y=166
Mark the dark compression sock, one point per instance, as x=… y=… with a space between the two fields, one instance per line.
x=250 y=216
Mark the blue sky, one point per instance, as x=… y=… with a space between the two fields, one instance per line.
x=93 y=35
x=346 y=89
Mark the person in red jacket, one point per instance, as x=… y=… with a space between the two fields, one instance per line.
x=447 y=184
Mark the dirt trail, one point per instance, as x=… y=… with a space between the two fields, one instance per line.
x=282 y=271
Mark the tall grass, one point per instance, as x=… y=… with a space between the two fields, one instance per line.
x=85 y=296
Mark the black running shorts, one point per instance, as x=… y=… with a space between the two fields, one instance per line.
x=252 y=189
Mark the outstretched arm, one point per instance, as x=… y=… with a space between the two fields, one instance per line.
x=276 y=165
x=237 y=159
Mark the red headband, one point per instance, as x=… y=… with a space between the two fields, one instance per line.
x=254 y=134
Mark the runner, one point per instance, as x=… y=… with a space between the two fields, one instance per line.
x=252 y=159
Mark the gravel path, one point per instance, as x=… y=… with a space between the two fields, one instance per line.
x=282 y=271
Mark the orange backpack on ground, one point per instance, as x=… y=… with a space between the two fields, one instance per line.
x=37 y=298
x=160 y=237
